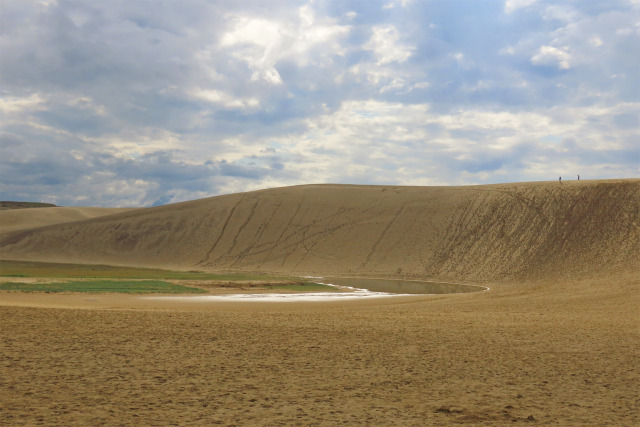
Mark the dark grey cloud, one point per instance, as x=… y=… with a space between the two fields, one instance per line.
x=45 y=169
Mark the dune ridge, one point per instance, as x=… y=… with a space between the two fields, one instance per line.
x=27 y=218
x=500 y=232
x=7 y=205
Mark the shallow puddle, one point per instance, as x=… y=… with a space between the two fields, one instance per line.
x=352 y=289
x=403 y=286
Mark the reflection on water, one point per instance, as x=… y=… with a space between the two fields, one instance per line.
x=403 y=286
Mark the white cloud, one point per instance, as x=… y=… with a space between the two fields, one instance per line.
x=393 y=3
x=463 y=61
x=224 y=99
x=385 y=43
x=549 y=55
x=564 y=13
x=595 y=41
x=373 y=134
x=255 y=31
x=256 y=41
x=513 y=5
x=269 y=75
x=395 y=84
x=262 y=43
x=16 y=104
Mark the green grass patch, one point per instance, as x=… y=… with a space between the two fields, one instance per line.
x=59 y=270
x=106 y=278
x=102 y=286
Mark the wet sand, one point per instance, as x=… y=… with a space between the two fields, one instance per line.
x=550 y=353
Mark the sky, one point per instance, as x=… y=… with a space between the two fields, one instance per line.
x=143 y=103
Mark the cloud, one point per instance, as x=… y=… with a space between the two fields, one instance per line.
x=512 y=5
x=261 y=43
x=225 y=100
x=549 y=55
x=385 y=43
x=119 y=103
x=402 y=141
x=13 y=105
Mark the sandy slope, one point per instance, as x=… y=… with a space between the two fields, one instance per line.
x=24 y=219
x=479 y=233
x=556 y=340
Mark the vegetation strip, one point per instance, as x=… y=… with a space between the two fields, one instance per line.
x=48 y=269
x=102 y=286
x=106 y=279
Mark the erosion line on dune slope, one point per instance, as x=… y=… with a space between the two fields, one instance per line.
x=239 y=231
x=329 y=220
x=224 y=227
x=303 y=243
x=254 y=246
x=316 y=222
x=263 y=227
x=303 y=231
x=290 y=243
x=458 y=227
x=287 y=227
x=457 y=233
x=281 y=240
x=269 y=246
x=528 y=203
x=294 y=239
x=381 y=237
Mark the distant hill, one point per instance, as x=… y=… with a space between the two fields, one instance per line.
x=29 y=218
x=501 y=232
x=5 y=205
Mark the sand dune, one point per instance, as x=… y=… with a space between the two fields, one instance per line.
x=555 y=340
x=24 y=219
x=476 y=233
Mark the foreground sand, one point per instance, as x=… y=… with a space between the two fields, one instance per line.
x=549 y=353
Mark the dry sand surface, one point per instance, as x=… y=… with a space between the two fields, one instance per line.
x=555 y=340
x=564 y=354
